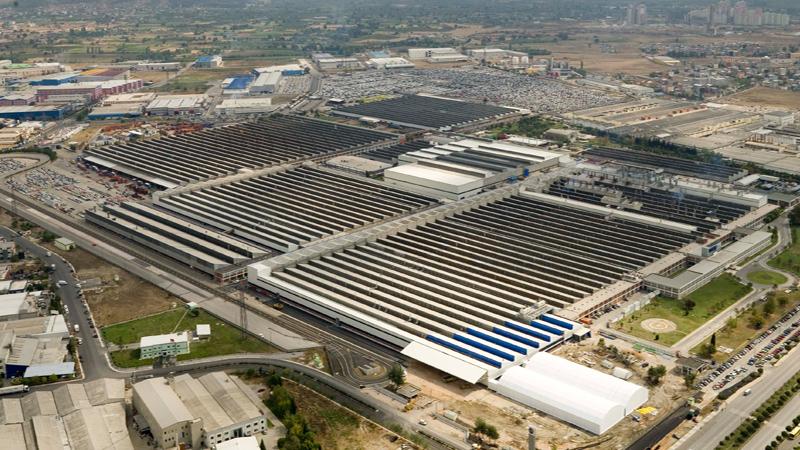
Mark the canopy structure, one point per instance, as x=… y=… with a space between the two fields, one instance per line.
x=584 y=397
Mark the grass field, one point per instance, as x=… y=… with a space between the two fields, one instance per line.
x=761 y=96
x=735 y=334
x=789 y=259
x=195 y=81
x=225 y=339
x=710 y=300
x=766 y=277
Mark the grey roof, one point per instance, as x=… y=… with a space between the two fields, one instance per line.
x=13 y=437
x=201 y=403
x=39 y=403
x=70 y=397
x=48 y=431
x=105 y=390
x=98 y=428
x=231 y=396
x=162 y=402
x=11 y=411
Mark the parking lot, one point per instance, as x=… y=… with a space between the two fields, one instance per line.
x=764 y=349
x=499 y=87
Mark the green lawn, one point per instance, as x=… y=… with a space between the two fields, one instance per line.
x=710 y=300
x=789 y=259
x=766 y=277
x=225 y=339
x=736 y=333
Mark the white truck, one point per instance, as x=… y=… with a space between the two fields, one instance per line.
x=77 y=328
x=14 y=389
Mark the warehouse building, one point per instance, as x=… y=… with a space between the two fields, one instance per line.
x=266 y=83
x=287 y=70
x=53 y=79
x=406 y=283
x=339 y=64
x=208 y=410
x=428 y=112
x=92 y=90
x=171 y=162
x=244 y=106
x=331 y=202
x=104 y=74
x=390 y=63
x=37 y=112
x=215 y=253
x=88 y=416
x=177 y=105
x=158 y=66
x=115 y=112
x=463 y=168
x=437 y=55
x=208 y=62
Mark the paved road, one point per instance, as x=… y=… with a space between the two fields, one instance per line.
x=94 y=363
x=774 y=426
x=708 y=434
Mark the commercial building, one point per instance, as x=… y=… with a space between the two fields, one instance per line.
x=172 y=344
x=37 y=112
x=166 y=417
x=177 y=105
x=53 y=79
x=115 y=112
x=21 y=98
x=339 y=64
x=207 y=411
x=287 y=70
x=158 y=67
x=208 y=62
x=390 y=63
x=266 y=83
x=244 y=106
x=437 y=55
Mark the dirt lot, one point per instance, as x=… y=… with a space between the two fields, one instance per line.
x=121 y=295
x=764 y=96
x=336 y=427
x=512 y=418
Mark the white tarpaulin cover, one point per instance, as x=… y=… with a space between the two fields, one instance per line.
x=445 y=362
x=585 y=397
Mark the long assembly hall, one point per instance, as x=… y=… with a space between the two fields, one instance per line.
x=427 y=112
x=462 y=281
x=704 y=213
x=290 y=208
x=677 y=166
x=173 y=161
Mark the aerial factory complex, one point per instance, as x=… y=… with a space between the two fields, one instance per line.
x=288 y=225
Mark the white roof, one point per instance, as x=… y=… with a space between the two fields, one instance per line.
x=447 y=363
x=242 y=443
x=203 y=329
x=12 y=304
x=162 y=402
x=441 y=175
x=579 y=395
x=160 y=339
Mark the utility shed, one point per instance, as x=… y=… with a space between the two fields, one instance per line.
x=584 y=397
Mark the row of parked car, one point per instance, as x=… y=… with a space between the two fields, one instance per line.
x=769 y=352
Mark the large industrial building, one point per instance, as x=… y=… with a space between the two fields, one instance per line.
x=88 y=416
x=205 y=411
x=292 y=206
x=428 y=112
x=170 y=162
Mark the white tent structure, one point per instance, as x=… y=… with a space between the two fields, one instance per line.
x=584 y=397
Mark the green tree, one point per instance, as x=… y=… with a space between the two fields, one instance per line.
x=483 y=428
x=280 y=402
x=655 y=374
x=397 y=375
x=688 y=305
x=769 y=306
x=756 y=320
x=689 y=378
x=48 y=236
